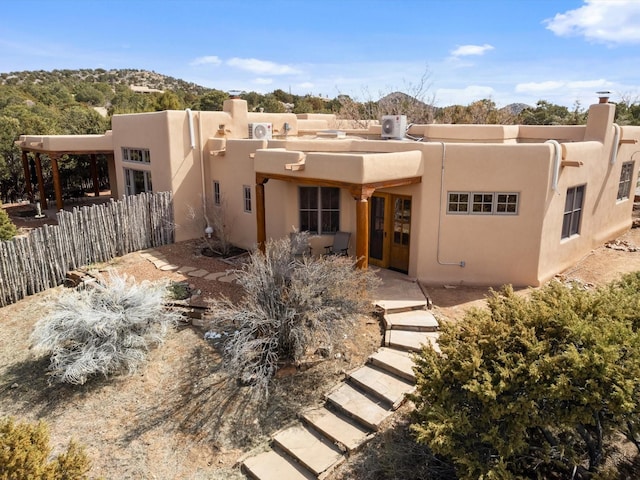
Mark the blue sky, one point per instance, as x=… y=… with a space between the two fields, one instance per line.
x=561 y=51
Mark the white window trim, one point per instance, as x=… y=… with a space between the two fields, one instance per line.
x=144 y=154
x=246 y=199
x=494 y=203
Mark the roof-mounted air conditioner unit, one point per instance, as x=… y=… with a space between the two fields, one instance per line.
x=260 y=131
x=394 y=126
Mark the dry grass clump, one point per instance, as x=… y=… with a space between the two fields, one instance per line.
x=103 y=330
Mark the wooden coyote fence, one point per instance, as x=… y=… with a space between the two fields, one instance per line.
x=33 y=263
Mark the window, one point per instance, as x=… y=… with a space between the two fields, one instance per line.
x=458 y=202
x=138 y=155
x=507 y=203
x=624 y=187
x=137 y=181
x=320 y=209
x=216 y=193
x=246 y=189
x=483 y=203
x=572 y=211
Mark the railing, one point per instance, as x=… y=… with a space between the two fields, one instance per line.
x=90 y=234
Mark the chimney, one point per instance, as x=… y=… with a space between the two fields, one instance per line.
x=603 y=96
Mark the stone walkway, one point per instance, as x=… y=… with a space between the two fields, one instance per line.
x=161 y=263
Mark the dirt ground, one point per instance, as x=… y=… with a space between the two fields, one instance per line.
x=179 y=417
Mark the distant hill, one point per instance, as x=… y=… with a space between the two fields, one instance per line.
x=113 y=77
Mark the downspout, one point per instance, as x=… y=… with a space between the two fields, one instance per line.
x=556 y=164
x=192 y=138
x=461 y=263
x=616 y=142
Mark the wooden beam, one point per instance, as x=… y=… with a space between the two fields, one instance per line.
x=322 y=182
x=27 y=176
x=56 y=182
x=260 y=214
x=43 y=196
x=94 y=174
x=361 y=195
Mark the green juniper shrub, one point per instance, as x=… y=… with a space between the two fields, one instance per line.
x=533 y=387
x=25 y=452
x=8 y=229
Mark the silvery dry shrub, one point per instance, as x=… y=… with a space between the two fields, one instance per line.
x=292 y=305
x=103 y=330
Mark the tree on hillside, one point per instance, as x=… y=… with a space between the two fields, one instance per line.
x=212 y=101
x=414 y=100
x=534 y=386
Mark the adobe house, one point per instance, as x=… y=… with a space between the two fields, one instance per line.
x=455 y=204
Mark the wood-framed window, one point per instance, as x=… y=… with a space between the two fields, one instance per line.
x=319 y=209
x=624 y=187
x=572 y=217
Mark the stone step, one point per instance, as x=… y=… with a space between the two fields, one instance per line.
x=344 y=432
x=415 y=320
x=396 y=306
x=398 y=362
x=410 y=341
x=382 y=384
x=272 y=465
x=365 y=409
x=309 y=448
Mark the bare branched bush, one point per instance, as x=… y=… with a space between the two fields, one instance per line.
x=293 y=306
x=103 y=330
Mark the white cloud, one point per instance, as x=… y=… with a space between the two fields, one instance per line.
x=306 y=85
x=590 y=83
x=608 y=21
x=208 y=60
x=263 y=81
x=264 y=67
x=536 y=87
x=466 y=50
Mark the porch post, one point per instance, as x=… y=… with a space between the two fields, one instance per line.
x=27 y=175
x=260 y=213
x=94 y=174
x=56 y=181
x=43 y=196
x=361 y=194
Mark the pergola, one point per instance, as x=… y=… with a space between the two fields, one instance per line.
x=361 y=193
x=91 y=145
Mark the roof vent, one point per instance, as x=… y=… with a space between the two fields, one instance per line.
x=604 y=96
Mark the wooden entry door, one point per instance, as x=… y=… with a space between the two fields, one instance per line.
x=390 y=231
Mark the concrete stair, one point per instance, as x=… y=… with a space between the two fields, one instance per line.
x=356 y=408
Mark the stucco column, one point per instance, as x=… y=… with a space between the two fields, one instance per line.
x=43 y=196
x=113 y=179
x=56 y=181
x=361 y=195
x=260 y=212
x=27 y=176
x=94 y=174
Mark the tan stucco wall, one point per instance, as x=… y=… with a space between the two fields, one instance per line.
x=522 y=249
